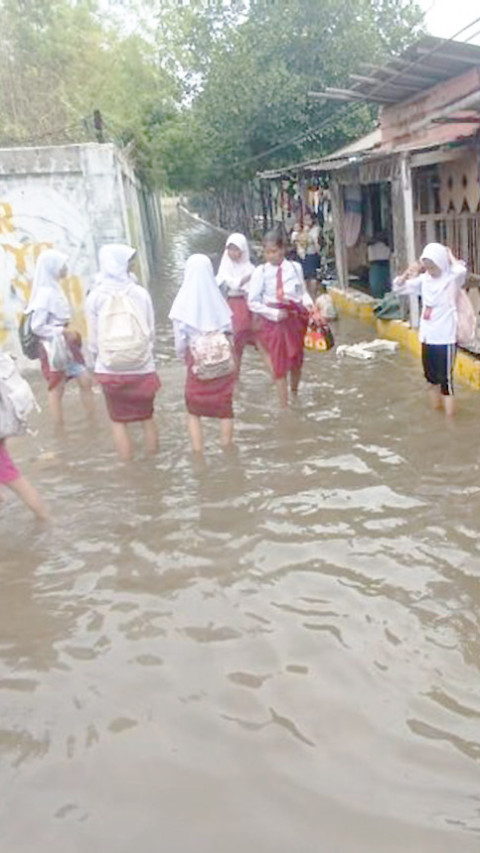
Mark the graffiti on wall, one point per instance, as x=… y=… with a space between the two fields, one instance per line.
x=29 y=223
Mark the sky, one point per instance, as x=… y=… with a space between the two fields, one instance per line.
x=444 y=18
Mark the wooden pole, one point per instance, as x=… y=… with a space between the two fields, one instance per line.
x=338 y=216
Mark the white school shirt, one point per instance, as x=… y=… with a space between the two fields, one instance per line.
x=50 y=320
x=441 y=328
x=262 y=292
x=96 y=300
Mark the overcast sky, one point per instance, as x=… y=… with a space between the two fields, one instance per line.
x=444 y=18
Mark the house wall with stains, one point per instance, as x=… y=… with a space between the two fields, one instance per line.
x=73 y=198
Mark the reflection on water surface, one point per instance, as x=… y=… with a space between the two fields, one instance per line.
x=279 y=651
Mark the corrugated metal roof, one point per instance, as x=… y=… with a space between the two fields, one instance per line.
x=435 y=136
x=424 y=64
x=369 y=147
x=437 y=125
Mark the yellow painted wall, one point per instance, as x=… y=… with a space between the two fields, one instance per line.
x=18 y=258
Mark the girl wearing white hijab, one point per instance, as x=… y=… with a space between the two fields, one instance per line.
x=437 y=278
x=199 y=307
x=129 y=391
x=51 y=315
x=233 y=278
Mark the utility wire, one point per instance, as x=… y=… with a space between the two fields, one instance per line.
x=341 y=112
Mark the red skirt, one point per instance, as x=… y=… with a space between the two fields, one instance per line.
x=209 y=398
x=8 y=471
x=129 y=397
x=283 y=340
x=243 y=333
x=55 y=377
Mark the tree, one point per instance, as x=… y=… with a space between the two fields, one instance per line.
x=59 y=60
x=253 y=109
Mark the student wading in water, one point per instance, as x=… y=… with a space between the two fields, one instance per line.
x=437 y=278
x=11 y=477
x=60 y=347
x=121 y=332
x=202 y=325
x=233 y=277
x=280 y=303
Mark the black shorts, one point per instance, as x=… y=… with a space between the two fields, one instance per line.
x=438 y=361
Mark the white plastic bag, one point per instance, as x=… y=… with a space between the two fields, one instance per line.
x=58 y=353
x=16 y=398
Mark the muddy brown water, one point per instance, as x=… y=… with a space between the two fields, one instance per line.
x=277 y=652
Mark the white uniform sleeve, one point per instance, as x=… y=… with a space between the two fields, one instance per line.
x=306 y=299
x=412 y=286
x=181 y=338
x=150 y=316
x=256 y=297
x=91 y=312
x=41 y=326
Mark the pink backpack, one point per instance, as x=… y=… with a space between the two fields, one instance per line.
x=466 y=319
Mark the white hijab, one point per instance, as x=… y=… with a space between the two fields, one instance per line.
x=47 y=293
x=434 y=286
x=199 y=303
x=114 y=259
x=235 y=270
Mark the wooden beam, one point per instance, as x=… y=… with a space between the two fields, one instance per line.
x=431 y=158
x=359 y=96
x=405 y=76
x=457 y=120
x=338 y=218
x=449 y=57
x=375 y=81
x=326 y=96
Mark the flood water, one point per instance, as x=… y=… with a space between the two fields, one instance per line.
x=277 y=652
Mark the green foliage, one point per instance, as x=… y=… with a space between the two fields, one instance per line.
x=59 y=61
x=252 y=110
x=203 y=92
x=256 y=97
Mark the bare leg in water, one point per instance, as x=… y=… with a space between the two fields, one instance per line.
x=30 y=497
x=448 y=401
x=150 y=436
x=282 y=390
x=55 y=396
x=295 y=376
x=122 y=441
x=226 y=432
x=434 y=396
x=195 y=430
x=84 y=382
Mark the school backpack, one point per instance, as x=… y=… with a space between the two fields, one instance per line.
x=466 y=319
x=29 y=341
x=123 y=336
x=212 y=355
x=16 y=399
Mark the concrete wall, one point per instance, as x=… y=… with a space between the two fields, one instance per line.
x=74 y=198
